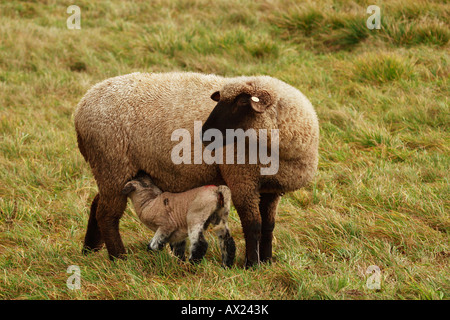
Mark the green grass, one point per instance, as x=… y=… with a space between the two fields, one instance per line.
x=380 y=197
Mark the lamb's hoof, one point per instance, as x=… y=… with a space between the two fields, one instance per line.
x=195 y=261
x=228 y=264
x=178 y=250
x=198 y=251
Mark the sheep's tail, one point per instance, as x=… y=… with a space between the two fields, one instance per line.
x=224 y=195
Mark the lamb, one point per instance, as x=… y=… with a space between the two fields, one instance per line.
x=175 y=216
x=125 y=124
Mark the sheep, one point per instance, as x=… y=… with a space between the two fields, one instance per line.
x=125 y=124
x=175 y=216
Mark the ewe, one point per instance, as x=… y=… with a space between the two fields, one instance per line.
x=125 y=124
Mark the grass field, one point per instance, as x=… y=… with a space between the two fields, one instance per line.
x=380 y=197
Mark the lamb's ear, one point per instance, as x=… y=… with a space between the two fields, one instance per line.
x=129 y=187
x=216 y=96
x=260 y=101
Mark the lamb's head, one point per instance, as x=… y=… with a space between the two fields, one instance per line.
x=243 y=104
x=141 y=183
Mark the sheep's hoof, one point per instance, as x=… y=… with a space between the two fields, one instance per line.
x=120 y=256
x=267 y=261
x=87 y=250
x=249 y=264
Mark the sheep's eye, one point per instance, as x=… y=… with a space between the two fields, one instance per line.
x=239 y=104
x=242 y=101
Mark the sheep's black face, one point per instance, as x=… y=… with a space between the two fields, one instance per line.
x=230 y=115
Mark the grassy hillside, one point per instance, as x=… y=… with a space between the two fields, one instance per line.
x=380 y=197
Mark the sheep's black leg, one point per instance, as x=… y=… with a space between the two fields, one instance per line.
x=93 y=240
x=179 y=249
x=268 y=209
x=199 y=246
x=110 y=210
x=248 y=211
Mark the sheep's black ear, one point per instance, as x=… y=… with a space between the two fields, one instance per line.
x=129 y=187
x=260 y=101
x=216 y=96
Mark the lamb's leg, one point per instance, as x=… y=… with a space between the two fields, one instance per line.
x=179 y=249
x=93 y=240
x=227 y=245
x=159 y=240
x=268 y=209
x=198 y=246
x=110 y=210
